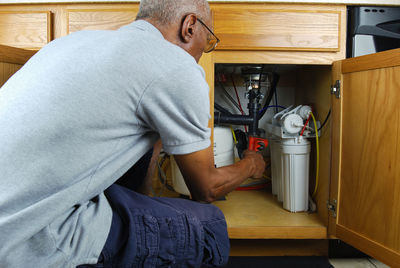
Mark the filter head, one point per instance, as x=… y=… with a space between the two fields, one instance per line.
x=304 y=111
x=292 y=123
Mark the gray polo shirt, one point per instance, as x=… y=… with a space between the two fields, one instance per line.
x=73 y=120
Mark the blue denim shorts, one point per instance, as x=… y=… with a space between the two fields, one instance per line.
x=163 y=232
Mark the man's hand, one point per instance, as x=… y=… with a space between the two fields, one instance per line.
x=258 y=162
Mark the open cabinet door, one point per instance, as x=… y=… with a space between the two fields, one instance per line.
x=207 y=63
x=365 y=178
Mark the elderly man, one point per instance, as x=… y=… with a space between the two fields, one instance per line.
x=80 y=114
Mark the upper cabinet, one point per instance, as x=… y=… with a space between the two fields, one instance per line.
x=107 y=18
x=299 y=28
x=284 y=33
x=25 y=29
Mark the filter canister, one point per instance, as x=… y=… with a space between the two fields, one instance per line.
x=223 y=147
x=295 y=167
x=276 y=168
x=223 y=156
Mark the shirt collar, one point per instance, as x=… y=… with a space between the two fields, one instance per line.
x=147 y=26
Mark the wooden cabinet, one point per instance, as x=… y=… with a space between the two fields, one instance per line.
x=278 y=27
x=25 y=29
x=250 y=32
x=292 y=34
x=360 y=175
x=107 y=18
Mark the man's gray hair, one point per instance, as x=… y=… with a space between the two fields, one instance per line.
x=167 y=11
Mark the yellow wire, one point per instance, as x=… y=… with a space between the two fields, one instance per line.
x=233 y=134
x=317 y=145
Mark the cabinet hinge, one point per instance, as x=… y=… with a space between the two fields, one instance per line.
x=332 y=207
x=335 y=89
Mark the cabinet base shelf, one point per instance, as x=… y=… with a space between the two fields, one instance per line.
x=258 y=215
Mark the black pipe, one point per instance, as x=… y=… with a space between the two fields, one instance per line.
x=253 y=114
x=274 y=83
x=253 y=106
x=233 y=119
x=221 y=109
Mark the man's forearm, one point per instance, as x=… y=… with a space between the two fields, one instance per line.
x=207 y=183
x=230 y=177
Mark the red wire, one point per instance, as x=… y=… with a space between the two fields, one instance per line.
x=308 y=119
x=237 y=97
x=248 y=188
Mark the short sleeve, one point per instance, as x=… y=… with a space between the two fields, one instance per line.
x=177 y=106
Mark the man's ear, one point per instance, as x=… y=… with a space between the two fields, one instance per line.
x=188 y=27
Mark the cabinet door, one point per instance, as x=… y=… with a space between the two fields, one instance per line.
x=11 y=60
x=100 y=19
x=25 y=29
x=366 y=155
x=280 y=27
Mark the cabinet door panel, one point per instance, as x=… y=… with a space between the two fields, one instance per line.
x=368 y=214
x=11 y=60
x=24 y=29
x=250 y=28
x=99 y=19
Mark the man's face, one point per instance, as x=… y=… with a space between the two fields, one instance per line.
x=195 y=36
x=201 y=39
x=211 y=40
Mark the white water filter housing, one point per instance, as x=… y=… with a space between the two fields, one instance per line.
x=274 y=159
x=223 y=156
x=178 y=183
x=223 y=146
x=295 y=166
x=276 y=168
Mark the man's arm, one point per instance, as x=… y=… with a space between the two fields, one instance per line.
x=146 y=186
x=207 y=183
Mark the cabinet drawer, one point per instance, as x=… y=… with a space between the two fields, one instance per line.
x=266 y=27
x=31 y=30
x=99 y=19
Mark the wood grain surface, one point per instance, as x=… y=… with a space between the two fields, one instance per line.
x=369 y=187
x=25 y=29
x=257 y=214
x=277 y=28
x=15 y=55
x=99 y=19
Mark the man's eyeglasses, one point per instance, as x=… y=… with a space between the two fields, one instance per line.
x=212 y=39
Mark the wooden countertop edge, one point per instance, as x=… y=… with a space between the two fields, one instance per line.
x=332 y=2
x=15 y=55
x=277 y=232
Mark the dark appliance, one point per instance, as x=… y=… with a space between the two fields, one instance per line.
x=372 y=29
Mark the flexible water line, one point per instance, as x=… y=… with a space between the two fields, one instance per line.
x=317 y=147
